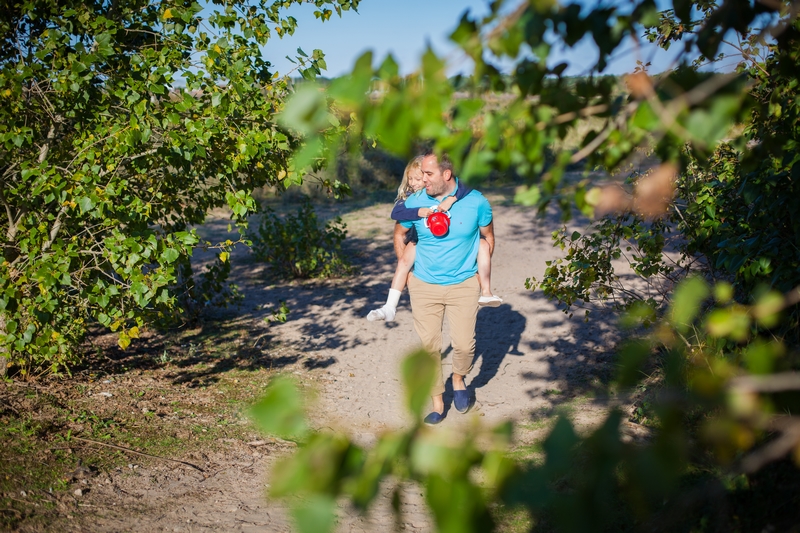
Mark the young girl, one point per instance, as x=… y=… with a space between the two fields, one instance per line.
x=411 y=183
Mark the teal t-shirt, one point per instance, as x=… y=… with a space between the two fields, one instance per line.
x=453 y=258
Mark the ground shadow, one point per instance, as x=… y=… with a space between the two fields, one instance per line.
x=193 y=355
x=582 y=361
x=497 y=334
x=242 y=337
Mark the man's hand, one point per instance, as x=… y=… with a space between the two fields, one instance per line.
x=487 y=232
x=447 y=203
x=400 y=239
x=424 y=212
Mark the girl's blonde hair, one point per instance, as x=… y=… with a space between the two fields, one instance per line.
x=405 y=190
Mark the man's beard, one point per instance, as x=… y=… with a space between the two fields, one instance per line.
x=431 y=192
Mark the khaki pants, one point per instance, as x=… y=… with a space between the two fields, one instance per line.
x=429 y=304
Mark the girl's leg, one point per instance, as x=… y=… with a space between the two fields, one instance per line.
x=485 y=276
x=404 y=264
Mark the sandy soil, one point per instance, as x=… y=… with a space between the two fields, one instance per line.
x=530 y=359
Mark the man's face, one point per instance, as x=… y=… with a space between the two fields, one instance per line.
x=436 y=181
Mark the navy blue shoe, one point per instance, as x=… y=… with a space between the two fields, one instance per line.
x=461 y=400
x=434 y=418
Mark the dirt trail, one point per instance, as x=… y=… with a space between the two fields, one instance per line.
x=530 y=358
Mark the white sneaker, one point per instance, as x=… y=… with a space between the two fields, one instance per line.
x=490 y=301
x=384 y=313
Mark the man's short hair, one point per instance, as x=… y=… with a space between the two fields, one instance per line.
x=443 y=160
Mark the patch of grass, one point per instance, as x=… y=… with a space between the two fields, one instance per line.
x=194 y=398
x=511 y=519
x=537 y=423
x=529 y=453
x=31 y=469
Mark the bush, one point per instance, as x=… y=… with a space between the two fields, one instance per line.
x=296 y=246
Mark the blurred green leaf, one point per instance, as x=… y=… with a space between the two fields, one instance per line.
x=433 y=453
x=528 y=195
x=280 y=412
x=632 y=357
x=318 y=467
x=378 y=463
x=686 y=301
x=760 y=355
x=316 y=514
x=419 y=371
x=458 y=506
x=559 y=447
x=308 y=155
x=732 y=322
x=306 y=110
x=767 y=309
x=638 y=314
x=723 y=292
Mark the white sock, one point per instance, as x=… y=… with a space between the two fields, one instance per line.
x=393 y=298
x=388 y=310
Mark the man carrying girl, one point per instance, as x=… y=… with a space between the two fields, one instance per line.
x=445 y=276
x=412 y=183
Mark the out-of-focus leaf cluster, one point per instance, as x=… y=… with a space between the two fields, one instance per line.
x=710 y=416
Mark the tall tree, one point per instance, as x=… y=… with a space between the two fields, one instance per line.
x=122 y=123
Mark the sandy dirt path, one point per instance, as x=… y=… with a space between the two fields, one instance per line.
x=530 y=358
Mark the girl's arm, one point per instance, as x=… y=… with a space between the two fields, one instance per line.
x=401 y=213
x=461 y=192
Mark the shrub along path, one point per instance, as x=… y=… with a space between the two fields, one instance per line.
x=69 y=446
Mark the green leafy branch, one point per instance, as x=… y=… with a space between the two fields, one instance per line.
x=586 y=482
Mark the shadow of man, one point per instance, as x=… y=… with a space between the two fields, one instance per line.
x=497 y=333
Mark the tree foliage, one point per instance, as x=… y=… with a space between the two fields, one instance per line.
x=122 y=123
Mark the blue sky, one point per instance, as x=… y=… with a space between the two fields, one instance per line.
x=405 y=27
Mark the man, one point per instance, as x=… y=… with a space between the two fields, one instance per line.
x=444 y=280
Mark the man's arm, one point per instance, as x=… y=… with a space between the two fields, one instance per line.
x=487 y=232
x=400 y=239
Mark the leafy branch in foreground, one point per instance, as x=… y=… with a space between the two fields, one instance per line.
x=728 y=392
x=601 y=481
x=541 y=106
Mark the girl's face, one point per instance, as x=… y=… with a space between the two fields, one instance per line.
x=415 y=179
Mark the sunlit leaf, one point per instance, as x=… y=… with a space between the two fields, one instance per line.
x=419 y=371
x=732 y=322
x=686 y=302
x=280 y=411
x=767 y=308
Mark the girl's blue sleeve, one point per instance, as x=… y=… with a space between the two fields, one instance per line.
x=462 y=190
x=401 y=213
